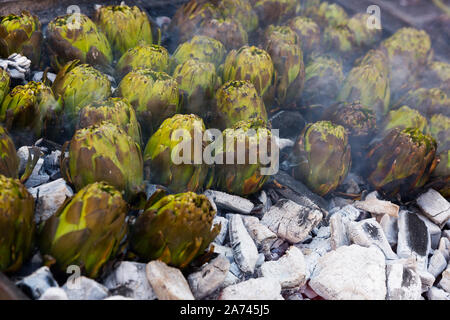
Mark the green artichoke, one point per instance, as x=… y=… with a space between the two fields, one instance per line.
x=104 y=152
x=253 y=64
x=439 y=128
x=327 y=15
x=197 y=82
x=124 y=26
x=339 y=41
x=25 y=110
x=9 y=161
x=376 y=58
x=188 y=17
x=274 y=11
x=4 y=84
x=78 y=85
x=87 y=230
x=237 y=101
x=229 y=32
x=244 y=176
x=408 y=52
x=115 y=110
x=401 y=161
x=16 y=224
x=308 y=32
x=427 y=101
x=175 y=134
x=322 y=156
x=143 y=56
x=403 y=118
x=283 y=45
x=154 y=95
x=21 y=34
x=364 y=37
x=359 y=122
x=242 y=11
x=203 y=48
x=368 y=85
x=323 y=80
x=175 y=228
x=437 y=75
x=77 y=38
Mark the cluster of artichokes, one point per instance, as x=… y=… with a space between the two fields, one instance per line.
x=129 y=110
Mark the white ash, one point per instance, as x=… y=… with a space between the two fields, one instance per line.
x=230 y=202
x=253 y=289
x=351 y=272
x=434 y=206
x=37 y=283
x=168 y=282
x=83 y=288
x=129 y=279
x=223 y=230
x=209 y=278
x=117 y=298
x=244 y=248
x=54 y=293
x=291 y=221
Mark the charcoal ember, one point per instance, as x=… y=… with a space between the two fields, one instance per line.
x=83 y=288
x=291 y=221
x=402 y=283
x=168 y=282
x=261 y=235
x=312 y=252
x=289 y=122
x=378 y=207
x=278 y=248
x=54 y=293
x=23 y=153
x=51 y=165
x=438 y=294
x=434 y=230
x=220 y=239
x=413 y=238
x=368 y=233
x=209 y=278
x=435 y=207
x=39 y=76
x=390 y=228
x=351 y=272
x=254 y=289
x=445 y=281
x=226 y=251
x=437 y=263
x=129 y=279
x=244 y=248
x=444 y=247
x=117 y=298
x=338 y=228
x=38 y=176
x=230 y=202
x=37 y=283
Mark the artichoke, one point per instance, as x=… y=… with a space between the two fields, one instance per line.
x=78 y=85
x=327 y=15
x=143 y=56
x=154 y=96
x=242 y=11
x=427 y=101
x=103 y=152
x=175 y=228
x=368 y=85
x=87 y=230
x=124 y=26
x=203 y=48
x=16 y=224
x=114 y=110
x=274 y=11
x=323 y=80
x=439 y=128
x=197 y=82
x=283 y=45
x=408 y=52
x=4 y=84
x=9 y=161
x=175 y=134
x=21 y=34
x=364 y=37
x=359 y=122
x=404 y=118
x=229 y=32
x=243 y=143
x=376 y=58
x=25 y=110
x=78 y=38
x=308 y=32
x=322 y=156
x=253 y=64
x=237 y=101
x=401 y=161
x=437 y=75
x=339 y=41
x=188 y=17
